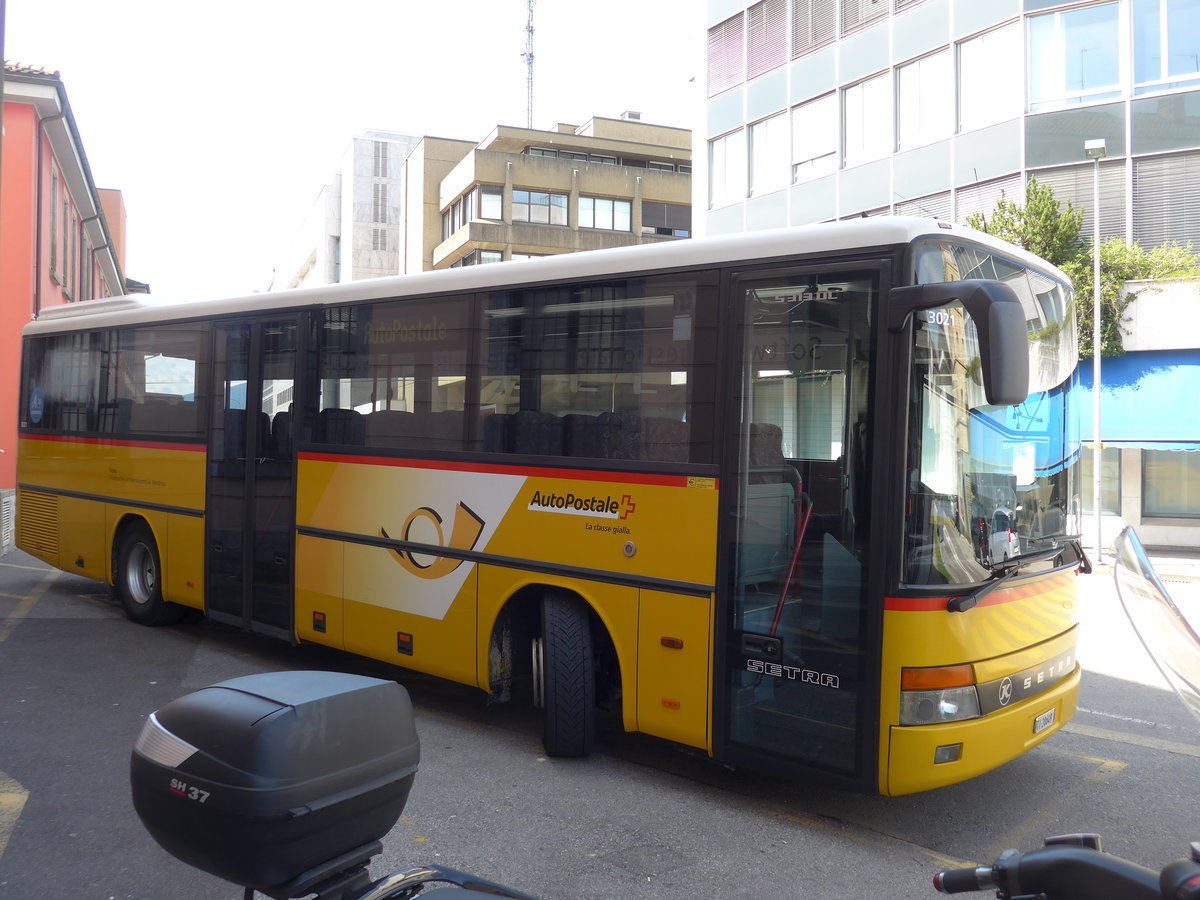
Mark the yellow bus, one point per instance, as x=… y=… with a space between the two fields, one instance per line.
x=804 y=500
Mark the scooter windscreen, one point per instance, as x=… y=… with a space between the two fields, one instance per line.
x=1167 y=632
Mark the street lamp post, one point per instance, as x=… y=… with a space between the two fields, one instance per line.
x=1094 y=150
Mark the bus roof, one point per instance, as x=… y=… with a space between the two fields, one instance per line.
x=877 y=231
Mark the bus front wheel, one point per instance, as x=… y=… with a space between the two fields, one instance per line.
x=139 y=579
x=564 y=677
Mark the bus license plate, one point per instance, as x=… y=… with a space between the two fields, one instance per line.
x=1044 y=721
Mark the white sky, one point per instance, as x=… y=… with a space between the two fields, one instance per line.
x=220 y=122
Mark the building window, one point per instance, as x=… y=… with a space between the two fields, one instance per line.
x=71 y=254
x=860 y=12
x=667 y=219
x=461 y=212
x=379 y=239
x=726 y=52
x=603 y=213
x=478 y=258
x=66 y=238
x=1074 y=56
x=1170 y=483
x=814 y=22
x=380 y=168
x=1166 y=198
x=379 y=211
x=484 y=201
x=85 y=269
x=727 y=170
x=491 y=205
x=814 y=138
x=539 y=207
x=576 y=155
x=766 y=32
x=1110 y=480
x=867 y=113
x=53 y=222
x=769 y=155
x=1166 y=44
x=984 y=99
x=660 y=166
x=926 y=92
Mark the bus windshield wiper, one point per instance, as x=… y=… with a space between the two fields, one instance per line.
x=1001 y=572
x=1063 y=539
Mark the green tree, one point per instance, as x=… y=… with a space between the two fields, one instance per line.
x=1042 y=225
x=1051 y=230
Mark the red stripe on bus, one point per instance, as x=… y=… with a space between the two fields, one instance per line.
x=938 y=604
x=997 y=598
x=112 y=442
x=497 y=469
x=915 y=604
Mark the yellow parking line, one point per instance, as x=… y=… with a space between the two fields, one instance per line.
x=1136 y=740
x=12 y=801
x=13 y=619
x=1029 y=834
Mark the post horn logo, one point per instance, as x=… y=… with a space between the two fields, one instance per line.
x=464 y=534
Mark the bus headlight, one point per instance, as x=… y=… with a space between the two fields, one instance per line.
x=942 y=694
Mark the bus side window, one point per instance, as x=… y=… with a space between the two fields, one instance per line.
x=281 y=434
x=340 y=426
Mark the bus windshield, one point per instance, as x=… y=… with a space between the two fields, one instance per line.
x=987 y=483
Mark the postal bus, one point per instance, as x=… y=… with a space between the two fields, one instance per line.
x=804 y=500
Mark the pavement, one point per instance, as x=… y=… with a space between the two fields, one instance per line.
x=1182 y=566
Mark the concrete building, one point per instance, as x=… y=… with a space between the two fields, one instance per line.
x=353 y=229
x=522 y=192
x=61 y=239
x=824 y=109
x=401 y=203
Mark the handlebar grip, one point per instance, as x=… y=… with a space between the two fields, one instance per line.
x=956 y=881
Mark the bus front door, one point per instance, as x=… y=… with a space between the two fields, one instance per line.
x=251 y=490
x=797 y=528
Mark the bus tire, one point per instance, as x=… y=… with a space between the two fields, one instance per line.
x=568 y=677
x=138 y=579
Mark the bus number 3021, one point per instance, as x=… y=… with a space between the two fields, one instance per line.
x=943 y=317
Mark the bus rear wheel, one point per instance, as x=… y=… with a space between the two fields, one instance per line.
x=564 y=677
x=139 y=579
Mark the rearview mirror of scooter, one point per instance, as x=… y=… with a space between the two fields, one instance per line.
x=1168 y=633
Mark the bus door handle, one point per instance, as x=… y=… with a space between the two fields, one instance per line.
x=762 y=646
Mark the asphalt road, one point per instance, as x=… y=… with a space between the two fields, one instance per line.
x=638 y=819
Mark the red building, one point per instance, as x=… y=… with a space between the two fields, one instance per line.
x=58 y=242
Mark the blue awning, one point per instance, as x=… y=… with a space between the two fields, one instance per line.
x=1149 y=400
x=1034 y=430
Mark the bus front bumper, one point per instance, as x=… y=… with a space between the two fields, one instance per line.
x=985 y=742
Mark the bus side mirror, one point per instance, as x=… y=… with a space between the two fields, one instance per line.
x=999 y=319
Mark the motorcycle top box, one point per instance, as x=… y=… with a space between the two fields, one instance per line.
x=259 y=780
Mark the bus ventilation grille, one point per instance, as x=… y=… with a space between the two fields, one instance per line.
x=8 y=517
x=37 y=530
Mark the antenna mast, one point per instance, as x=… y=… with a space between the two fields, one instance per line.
x=528 y=57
